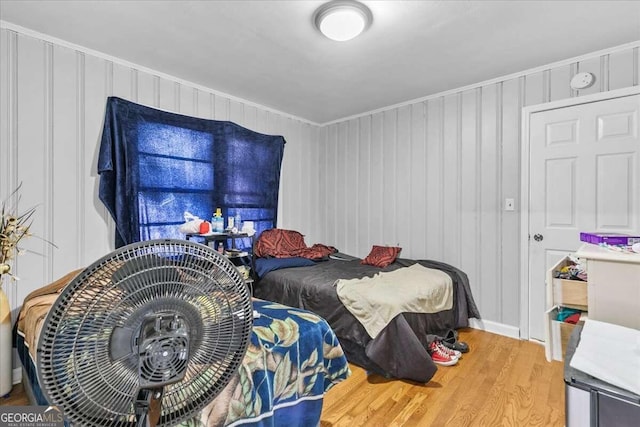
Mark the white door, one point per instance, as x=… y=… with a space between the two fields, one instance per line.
x=584 y=176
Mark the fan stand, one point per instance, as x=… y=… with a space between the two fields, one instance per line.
x=148 y=407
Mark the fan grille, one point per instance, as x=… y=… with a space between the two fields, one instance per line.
x=95 y=384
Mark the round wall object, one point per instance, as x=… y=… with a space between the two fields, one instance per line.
x=582 y=81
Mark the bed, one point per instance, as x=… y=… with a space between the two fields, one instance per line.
x=293 y=359
x=399 y=350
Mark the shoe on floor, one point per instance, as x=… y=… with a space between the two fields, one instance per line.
x=459 y=346
x=451 y=352
x=451 y=341
x=439 y=356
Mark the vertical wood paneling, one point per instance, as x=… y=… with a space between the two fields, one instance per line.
x=6 y=83
x=389 y=176
x=236 y=112
x=510 y=188
x=621 y=69
x=636 y=64
x=323 y=185
x=221 y=108
x=47 y=167
x=534 y=89
x=293 y=180
x=51 y=117
x=187 y=100
x=205 y=104
x=559 y=82
x=167 y=95
x=122 y=77
x=5 y=160
x=305 y=171
x=490 y=205
x=350 y=213
x=417 y=225
x=8 y=134
x=403 y=176
x=433 y=189
x=278 y=122
x=81 y=171
x=463 y=160
x=469 y=155
x=341 y=185
x=431 y=176
x=331 y=203
x=363 y=198
x=312 y=184
x=451 y=210
x=261 y=120
x=32 y=130
x=376 y=179
x=316 y=153
x=146 y=89
x=98 y=235
x=250 y=116
x=604 y=73
x=64 y=162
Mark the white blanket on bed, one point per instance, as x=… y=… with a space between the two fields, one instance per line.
x=376 y=300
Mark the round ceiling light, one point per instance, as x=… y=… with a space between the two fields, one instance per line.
x=342 y=20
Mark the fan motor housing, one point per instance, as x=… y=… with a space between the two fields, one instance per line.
x=163 y=350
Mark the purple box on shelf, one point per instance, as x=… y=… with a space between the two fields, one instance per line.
x=609 y=238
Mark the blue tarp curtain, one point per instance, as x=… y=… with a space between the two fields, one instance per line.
x=155 y=165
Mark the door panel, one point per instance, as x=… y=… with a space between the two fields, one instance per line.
x=583 y=177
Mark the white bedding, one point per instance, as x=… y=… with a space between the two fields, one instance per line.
x=376 y=300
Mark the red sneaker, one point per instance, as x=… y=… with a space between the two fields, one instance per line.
x=455 y=354
x=439 y=356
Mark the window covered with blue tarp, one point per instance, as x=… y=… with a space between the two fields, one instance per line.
x=155 y=165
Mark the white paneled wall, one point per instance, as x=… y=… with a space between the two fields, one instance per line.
x=52 y=102
x=432 y=175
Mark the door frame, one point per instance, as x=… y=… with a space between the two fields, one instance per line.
x=527 y=112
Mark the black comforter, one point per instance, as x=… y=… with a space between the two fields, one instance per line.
x=399 y=350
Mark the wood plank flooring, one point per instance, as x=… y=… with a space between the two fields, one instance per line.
x=500 y=382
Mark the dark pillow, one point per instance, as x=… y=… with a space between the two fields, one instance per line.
x=381 y=256
x=265 y=265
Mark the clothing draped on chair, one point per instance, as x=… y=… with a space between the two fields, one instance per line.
x=155 y=165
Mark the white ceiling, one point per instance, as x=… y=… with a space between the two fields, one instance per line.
x=268 y=52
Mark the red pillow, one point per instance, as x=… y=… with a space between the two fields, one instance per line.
x=381 y=256
x=277 y=243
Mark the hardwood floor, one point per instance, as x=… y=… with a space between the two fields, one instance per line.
x=500 y=382
x=17 y=397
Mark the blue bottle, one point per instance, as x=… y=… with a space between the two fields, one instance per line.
x=237 y=221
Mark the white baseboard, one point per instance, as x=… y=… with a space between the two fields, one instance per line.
x=17 y=375
x=495 y=327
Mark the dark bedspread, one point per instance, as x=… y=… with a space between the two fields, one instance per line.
x=397 y=352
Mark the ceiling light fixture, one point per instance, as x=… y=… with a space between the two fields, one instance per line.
x=342 y=20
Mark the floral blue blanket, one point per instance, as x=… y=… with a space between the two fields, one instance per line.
x=293 y=359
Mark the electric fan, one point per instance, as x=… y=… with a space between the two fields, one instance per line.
x=148 y=335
